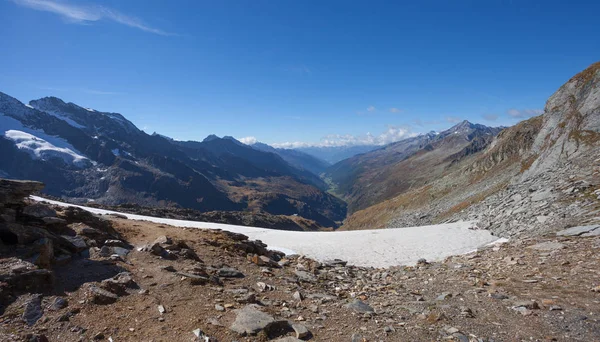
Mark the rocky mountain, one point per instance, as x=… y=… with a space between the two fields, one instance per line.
x=334 y=154
x=375 y=176
x=85 y=155
x=296 y=158
x=539 y=175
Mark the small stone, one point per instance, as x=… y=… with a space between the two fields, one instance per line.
x=301 y=330
x=359 y=306
x=498 y=296
x=59 y=303
x=297 y=296
x=305 y=276
x=168 y=268
x=555 y=308
x=161 y=309
x=100 y=296
x=33 y=310
x=228 y=272
x=219 y=307
x=357 y=338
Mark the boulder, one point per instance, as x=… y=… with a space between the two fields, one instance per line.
x=39 y=210
x=14 y=191
x=359 y=306
x=250 y=321
x=33 y=310
x=100 y=296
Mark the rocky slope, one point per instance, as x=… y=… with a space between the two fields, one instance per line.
x=86 y=155
x=537 y=176
x=373 y=177
x=201 y=285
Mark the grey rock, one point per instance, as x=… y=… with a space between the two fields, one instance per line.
x=120 y=251
x=359 y=306
x=356 y=338
x=592 y=230
x=305 y=276
x=39 y=210
x=13 y=191
x=335 y=262
x=444 y=296
x=194 y=279
x=228 y=272
x=76 y=242
x=250 y=321
x=100 y=296
x=33 y=310
x=528 y=304
x=300 y=330
x=59 y=303
x=498 y=296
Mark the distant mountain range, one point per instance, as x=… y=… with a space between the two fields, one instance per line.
x=85 y=155
x=372 y=177
x=334 y=154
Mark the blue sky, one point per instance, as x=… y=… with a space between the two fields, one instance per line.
x=324 y=72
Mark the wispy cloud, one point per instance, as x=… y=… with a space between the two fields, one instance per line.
x=524 y=113
x=248 y=140
x=395 y=110
x=490 y=117
x=77 y=13
x=371 y=109
x=453 y=119
x=390 y=135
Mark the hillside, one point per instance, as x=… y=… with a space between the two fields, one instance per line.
x=537 y=176
x=375 y=176
x=87 y=155
x=69 y=275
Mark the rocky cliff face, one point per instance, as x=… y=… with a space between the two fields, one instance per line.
x=571 y=123
x=537 y=176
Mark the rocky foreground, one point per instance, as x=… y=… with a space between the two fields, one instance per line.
x=68 y=275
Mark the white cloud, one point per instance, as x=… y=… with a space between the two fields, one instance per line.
x=371 y=109
x=88 y=13
x=248 y=140
x=524 y=113
x=390 y=135
x=490 y=117
x=395 y=110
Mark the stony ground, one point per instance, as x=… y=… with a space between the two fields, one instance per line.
x=543 y=289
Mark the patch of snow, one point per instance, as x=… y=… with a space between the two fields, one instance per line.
x=64 y=118
x=28 y=105
x=8 y=123
x=41 y=149
x=90 y=110
x=116 y=152
x=376 y=248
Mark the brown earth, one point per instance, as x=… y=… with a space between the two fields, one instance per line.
x=509 y=292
